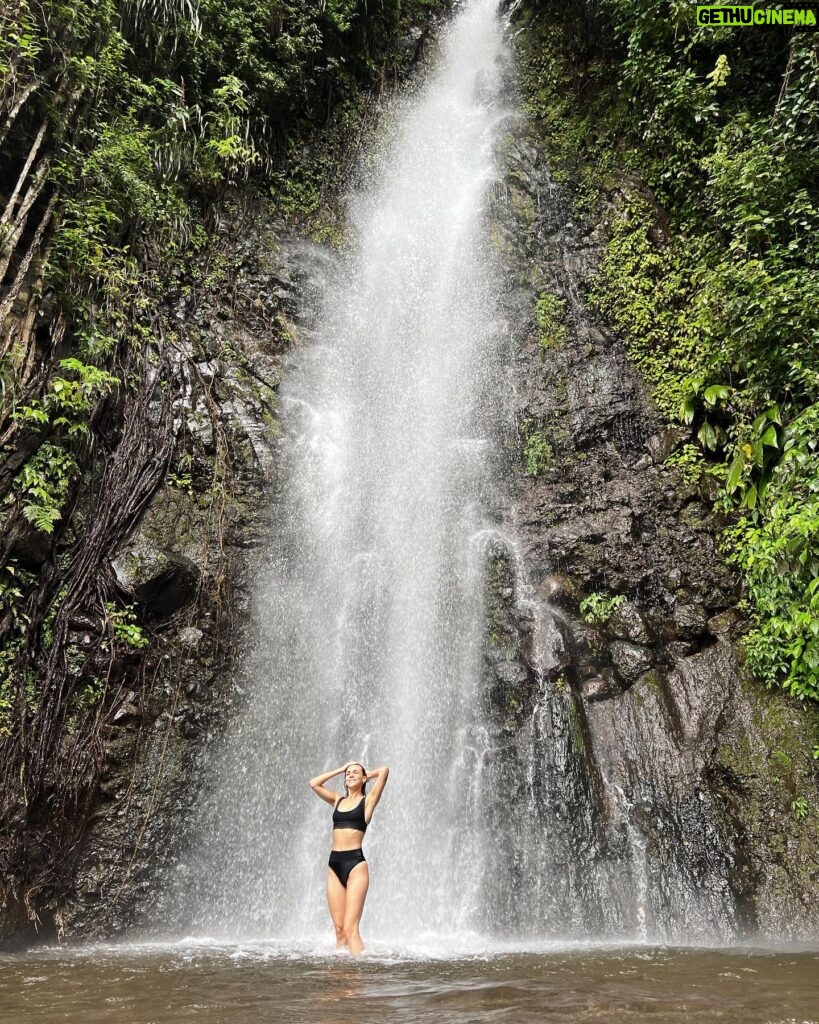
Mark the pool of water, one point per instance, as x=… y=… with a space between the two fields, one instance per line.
x=260 y=983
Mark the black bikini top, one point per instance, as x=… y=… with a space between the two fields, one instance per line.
x=350 y=819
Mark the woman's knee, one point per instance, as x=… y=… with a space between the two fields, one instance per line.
x=351 y=923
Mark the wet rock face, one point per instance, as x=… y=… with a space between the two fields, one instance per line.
x=188 y=570
x=647 y=752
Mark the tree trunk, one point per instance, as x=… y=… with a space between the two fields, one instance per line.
x=17 y=106
x=17 y=285
x=8 y=213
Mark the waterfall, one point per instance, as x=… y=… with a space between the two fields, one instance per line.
x=371 y=608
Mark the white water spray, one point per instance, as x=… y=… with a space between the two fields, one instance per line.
x=372 y=607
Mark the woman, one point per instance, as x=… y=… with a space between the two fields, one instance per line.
x=348 y=876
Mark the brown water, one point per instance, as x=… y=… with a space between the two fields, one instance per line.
x=261 y=984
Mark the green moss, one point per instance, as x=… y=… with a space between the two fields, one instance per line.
x=738 y=757
x=787 y=725
x=550 y=314
x=646 y=294
x=523 y=206
x=778 y=786
x=577 y=729
x=653 y=680
x=513 y=705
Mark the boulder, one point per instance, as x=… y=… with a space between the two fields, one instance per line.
x=598 y=688
x=689 y=621
x=161 y=579
x=626 y=623
x=558 y=590
x=726 y=624
x=630 y=660
x=512 y=673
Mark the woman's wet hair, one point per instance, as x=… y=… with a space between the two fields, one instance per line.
x=364 y=783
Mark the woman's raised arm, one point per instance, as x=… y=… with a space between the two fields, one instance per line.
x=318 y=787
x=380 y=775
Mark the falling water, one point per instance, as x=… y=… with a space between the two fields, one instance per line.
x=371 y=612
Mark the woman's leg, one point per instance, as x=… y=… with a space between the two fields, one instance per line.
x=358 y=881
x=336 y=901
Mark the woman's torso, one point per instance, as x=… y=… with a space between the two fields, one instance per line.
x=349 y=837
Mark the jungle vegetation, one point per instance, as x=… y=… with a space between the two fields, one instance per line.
x=698 y=145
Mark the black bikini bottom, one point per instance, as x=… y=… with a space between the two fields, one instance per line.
x=342 y=863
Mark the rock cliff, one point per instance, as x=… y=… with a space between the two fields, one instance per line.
x=612 y=660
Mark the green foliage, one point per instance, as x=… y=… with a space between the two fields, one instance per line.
x=688 y=461
x=550 y=314
x=69 y=400
x=719 y=76
x=645 y=293
x=125 y=626
x=20 y=42
x=709 y=137
x=42 y=486
x=597 y=609
x=538 y=454
x=777 y=546
x=14 y=583
x=757 y=448
x=6 y=705
x=88 y=696
x=183 y=478
x=228 y=137
x=800 y=808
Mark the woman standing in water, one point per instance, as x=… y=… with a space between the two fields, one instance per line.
x=348 y=876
